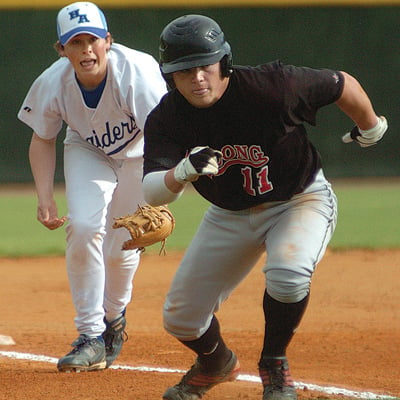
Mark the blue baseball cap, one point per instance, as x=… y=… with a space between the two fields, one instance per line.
x=80 y=17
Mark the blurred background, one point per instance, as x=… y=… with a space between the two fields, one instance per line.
x=359 y=37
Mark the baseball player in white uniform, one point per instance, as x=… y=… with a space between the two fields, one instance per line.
x=103 y=91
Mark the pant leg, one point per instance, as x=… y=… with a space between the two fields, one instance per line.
x=121 y=265
x=300 y=232
x=90 y=182
x=221 y=254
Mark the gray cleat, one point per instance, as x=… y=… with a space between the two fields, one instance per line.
x=276 y=379
x=197 y=381
x=89 y=354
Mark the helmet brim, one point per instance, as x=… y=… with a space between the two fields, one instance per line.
x=192 y=61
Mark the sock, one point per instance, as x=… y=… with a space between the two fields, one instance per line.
x=281 y=321
x=211 y=349
x=113 y=317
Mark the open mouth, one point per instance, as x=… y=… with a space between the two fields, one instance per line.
x=88 y=63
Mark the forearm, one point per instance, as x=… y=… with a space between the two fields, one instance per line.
x=161 y=188
x=355 y=103
x=42 y=158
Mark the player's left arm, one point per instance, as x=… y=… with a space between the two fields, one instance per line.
x=356 y=104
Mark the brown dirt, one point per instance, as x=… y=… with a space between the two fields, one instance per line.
x=349 y=337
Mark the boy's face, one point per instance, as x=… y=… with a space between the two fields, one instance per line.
x=88 y=56
x=201 y=86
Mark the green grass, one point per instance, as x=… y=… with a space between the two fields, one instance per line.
x=22 y=235
x=369 y=217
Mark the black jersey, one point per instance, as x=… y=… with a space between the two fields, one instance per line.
x=258 y=125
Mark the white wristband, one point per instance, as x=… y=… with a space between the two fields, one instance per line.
x=184 y=172
x=377 y=131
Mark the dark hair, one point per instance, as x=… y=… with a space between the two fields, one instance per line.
x=58 y=46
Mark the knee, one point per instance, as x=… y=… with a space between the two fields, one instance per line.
x=167 y=321
x=81 y=229
x=178 y=323
x=171 y=320
x=287 y=286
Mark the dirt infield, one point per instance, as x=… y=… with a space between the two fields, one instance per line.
x=349 y=337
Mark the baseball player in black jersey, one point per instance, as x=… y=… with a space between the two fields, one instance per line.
x=238 y=134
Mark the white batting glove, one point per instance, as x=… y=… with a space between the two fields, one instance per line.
x=369 y=137
x=201 y=160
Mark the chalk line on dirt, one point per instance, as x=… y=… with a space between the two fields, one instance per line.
x=242 y=377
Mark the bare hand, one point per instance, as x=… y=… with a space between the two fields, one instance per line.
x=48 y=216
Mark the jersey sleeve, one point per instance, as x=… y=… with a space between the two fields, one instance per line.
x=306 y=90
x=40 y=109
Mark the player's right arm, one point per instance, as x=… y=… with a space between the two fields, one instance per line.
x=169 y=163
x=160 y=187
x=42 y=158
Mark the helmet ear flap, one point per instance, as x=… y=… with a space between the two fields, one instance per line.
x=226 y=65
x=169 y=80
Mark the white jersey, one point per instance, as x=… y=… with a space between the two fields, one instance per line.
x=134 y=86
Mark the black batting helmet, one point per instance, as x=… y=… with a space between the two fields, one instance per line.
x=193 y=41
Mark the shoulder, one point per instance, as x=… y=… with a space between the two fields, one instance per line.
x=261 y=69
x=275 y=70
x=136 y=74
x=57 y=69
x=125 y=57
x=134 y=68
x=287 y=76
x=166 y=105
x=56 y=75
x=260 y=74
x=310 y=74
x=169 y=109
x=264 y=83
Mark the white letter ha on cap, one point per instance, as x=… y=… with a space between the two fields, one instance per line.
x=80 y=17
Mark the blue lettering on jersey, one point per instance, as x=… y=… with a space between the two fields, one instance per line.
x=114 y=134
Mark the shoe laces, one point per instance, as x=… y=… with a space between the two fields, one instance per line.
x=196 y=381
x=275 y=373
x=82 y=341
x=194 y=372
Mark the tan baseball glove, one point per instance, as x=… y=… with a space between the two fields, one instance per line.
x=147 y=226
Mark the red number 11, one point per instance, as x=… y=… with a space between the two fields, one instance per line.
x=263 y=186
